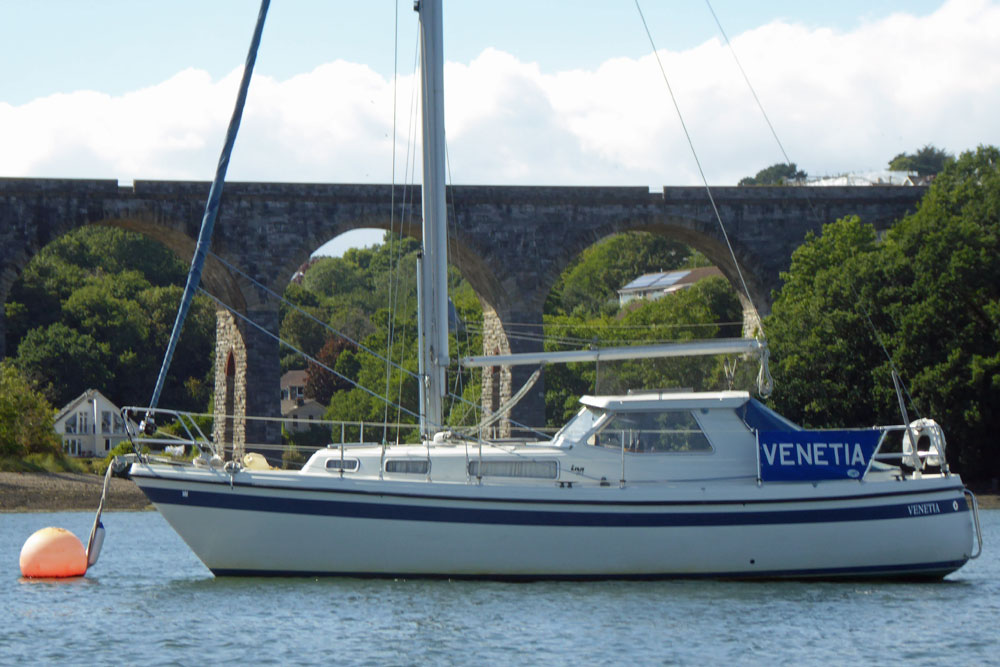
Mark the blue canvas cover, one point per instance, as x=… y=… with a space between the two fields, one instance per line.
x=808 y=456
x=759 y=417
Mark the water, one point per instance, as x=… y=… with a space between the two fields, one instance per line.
x=150 y=601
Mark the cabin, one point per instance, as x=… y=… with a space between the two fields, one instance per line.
x=90 y=425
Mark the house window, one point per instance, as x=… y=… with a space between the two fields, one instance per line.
x=119 y=424
x=72 y=446
x=106 y=421
x=107 y=444
x=70 y=424
x=83 y=422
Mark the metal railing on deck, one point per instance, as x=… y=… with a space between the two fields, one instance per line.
x=176 y=428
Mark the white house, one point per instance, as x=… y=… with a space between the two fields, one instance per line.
x=295 y=407
x=90 y=425
x=878 y=177
x=655 y=285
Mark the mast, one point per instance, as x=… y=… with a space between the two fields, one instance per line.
x=433 y=274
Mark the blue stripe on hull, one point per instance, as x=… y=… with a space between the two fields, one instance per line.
x=544 y=517
x=908 y=571
x=382 y=494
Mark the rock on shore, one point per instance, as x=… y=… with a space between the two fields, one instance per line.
x=55 y=492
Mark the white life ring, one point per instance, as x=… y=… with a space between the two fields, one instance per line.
x=929 y=447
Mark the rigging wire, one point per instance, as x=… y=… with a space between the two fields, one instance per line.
x=453 y=222
x=307 y=356
x=396 y=404
x=392 y=219
x=409 y=170
x=749 y=85
x=701 y=171
x=301 y=311
x=809 y=202
x=212 y=205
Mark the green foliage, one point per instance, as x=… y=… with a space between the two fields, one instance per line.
x=26 y=418
x=47 y=462
x=352 y=294
x=823 y=349
x=694 y=313
x=932 y=289
x=926 y=162
x=777 y=174
x=321 y=383
x=588 y=287
x=583 y=306
x=63 y=362
x=95 y=308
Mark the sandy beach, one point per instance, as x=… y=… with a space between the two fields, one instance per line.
x=55 y=492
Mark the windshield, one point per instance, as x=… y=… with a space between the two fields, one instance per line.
x=577 y=427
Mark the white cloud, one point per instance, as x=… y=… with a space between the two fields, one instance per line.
x=839 y=101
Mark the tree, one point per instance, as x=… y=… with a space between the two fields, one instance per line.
x=779 y=173
x=62 y=362
x=26 y=417
x=97 y=304
x=930 y=293
x=947 y=339
x=689 y=314
x=927 y=161
x=321 y=383
x=588 y=287
x=822 y=347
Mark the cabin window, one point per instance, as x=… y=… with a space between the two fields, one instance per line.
x=408 y=466
x=71 y=424
x=515 y=468
x=670 y=431
x=348 y=465
x=578 y=427
x=106 y=421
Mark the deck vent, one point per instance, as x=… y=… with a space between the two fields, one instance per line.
x=515 y=468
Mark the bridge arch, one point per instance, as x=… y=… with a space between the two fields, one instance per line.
x=510 y=243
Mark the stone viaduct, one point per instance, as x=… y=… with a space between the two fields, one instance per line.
x=510 y=242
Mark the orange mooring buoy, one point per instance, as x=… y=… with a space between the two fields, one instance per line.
x=53 y=552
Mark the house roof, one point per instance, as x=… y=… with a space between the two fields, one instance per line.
x=293 y=379
x=85 y=396
x=664 y=280
x=307 y=406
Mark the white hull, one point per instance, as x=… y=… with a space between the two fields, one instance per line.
x=320 y=526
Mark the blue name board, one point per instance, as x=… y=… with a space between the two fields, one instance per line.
x=806 y=456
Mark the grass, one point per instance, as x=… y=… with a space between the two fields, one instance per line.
x=43 y=463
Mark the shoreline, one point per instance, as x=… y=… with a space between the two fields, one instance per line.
x=67 y=492
x=77 y=492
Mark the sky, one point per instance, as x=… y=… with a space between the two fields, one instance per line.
x=552 y=92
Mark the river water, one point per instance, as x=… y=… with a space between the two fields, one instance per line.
x=150 y=601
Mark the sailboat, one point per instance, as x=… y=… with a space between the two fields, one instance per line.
x=644 y=485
